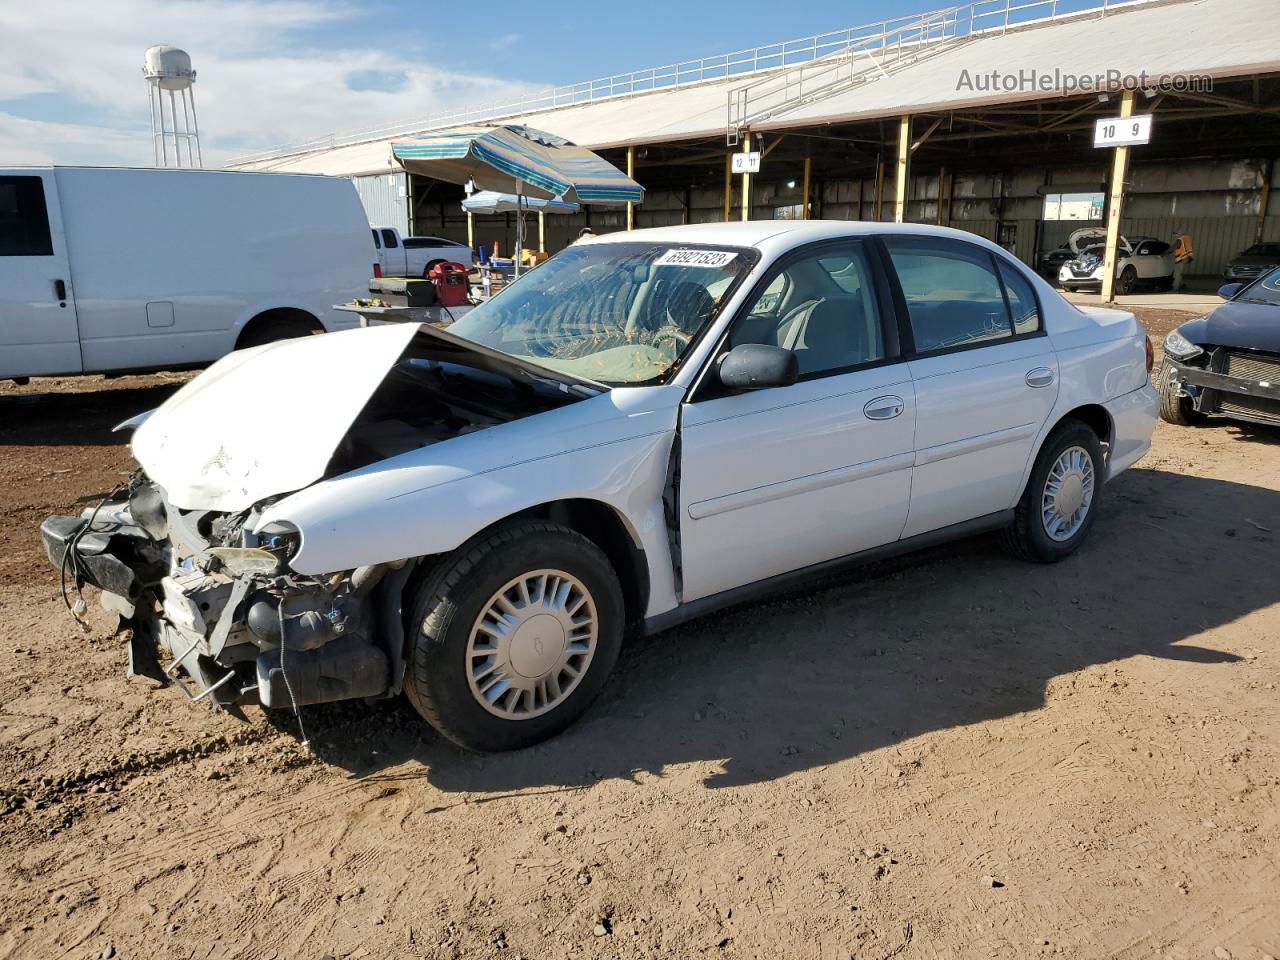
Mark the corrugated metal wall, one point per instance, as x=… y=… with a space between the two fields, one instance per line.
x=385 y=199
x=1216 y=201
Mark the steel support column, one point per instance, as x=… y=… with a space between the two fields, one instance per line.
x=804 y=190
x=728 y=185
x=1119 y=170
x=631 y=172
x=903 y=171
x=746 y=178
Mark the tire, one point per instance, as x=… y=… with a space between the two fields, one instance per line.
x=448 y=607
x=1028 y=537
x=1173 y=408
x=260 y=332
x=1127 y=280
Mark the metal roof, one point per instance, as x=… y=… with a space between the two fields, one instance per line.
x=1173 y=37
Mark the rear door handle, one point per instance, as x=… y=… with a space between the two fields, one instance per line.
x=884 y=408
x=60 y=289
x=1040 y=377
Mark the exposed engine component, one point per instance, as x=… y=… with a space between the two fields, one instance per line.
x=221 y=605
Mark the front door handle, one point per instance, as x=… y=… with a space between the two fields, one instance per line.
x=60 y=289
x=884 y=408
x=1040 y=377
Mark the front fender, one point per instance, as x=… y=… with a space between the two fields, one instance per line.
x=423 y=504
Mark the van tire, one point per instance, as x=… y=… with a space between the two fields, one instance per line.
x=265 y=329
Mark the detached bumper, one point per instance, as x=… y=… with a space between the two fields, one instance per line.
x=112 y=556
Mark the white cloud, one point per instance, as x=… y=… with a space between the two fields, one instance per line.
x=23 y=140
x=262 y=80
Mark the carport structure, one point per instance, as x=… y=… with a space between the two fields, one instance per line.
x=969 y=116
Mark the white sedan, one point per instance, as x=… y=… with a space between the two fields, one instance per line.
x=644 y=429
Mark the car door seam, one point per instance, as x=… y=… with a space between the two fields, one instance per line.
x=809 y=483
x=983 y=441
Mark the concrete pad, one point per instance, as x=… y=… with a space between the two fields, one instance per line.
x=1192 y=303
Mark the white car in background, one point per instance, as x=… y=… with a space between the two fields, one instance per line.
x=646 y=428
x=415 y=256
x=1139 y=260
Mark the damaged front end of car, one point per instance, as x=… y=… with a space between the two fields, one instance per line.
x=197 y=571
x=213 y=607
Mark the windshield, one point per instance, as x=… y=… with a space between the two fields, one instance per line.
x=1263 y=250
x=1265 y=289
x=614 y=313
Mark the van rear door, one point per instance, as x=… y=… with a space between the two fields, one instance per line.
x=38 y=330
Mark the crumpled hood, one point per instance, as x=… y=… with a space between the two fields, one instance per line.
x=1079 y=239
x=266 y=420
x=1250 y=326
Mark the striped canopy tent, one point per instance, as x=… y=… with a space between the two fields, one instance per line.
x=518 y=160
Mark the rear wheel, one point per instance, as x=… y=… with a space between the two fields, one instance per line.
x=426 y=271
x=270 y=329
x=514 y=636
x=1058 y=506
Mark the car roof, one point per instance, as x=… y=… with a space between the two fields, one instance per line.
x=783 y=233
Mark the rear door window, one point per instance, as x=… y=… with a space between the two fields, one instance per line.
x=389 y=238
x=953 y=294
x=1022 y=299
x=24 y=218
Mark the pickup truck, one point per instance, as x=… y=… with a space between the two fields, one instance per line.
x=415 y=256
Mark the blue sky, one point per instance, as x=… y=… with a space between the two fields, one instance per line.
x=282 y=71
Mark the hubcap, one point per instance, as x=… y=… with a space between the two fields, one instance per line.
x=531 y=644
x=1068 y=494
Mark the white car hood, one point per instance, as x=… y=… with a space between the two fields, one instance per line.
x=266 y=420
x=1079 y=238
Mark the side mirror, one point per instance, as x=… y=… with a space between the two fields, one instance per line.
x=756 y=366
x=1229 y=290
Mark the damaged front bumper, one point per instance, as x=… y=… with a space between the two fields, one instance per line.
x=1214 y=388
x=213 y=607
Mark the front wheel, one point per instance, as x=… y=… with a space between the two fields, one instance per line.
x=1127 y=280
x=514 y=635
x=1175 y=408
x=1058 y=506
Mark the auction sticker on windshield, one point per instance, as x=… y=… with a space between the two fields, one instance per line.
x=695 y=258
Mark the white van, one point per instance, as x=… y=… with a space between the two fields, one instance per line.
x=108 y=269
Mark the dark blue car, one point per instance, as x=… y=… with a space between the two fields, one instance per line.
x=1227 y=364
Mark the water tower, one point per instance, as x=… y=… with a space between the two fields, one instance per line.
x=169 y=80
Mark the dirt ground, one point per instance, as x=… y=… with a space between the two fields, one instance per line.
x=950 y=755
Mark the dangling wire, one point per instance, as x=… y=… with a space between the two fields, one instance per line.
x=297 y=712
